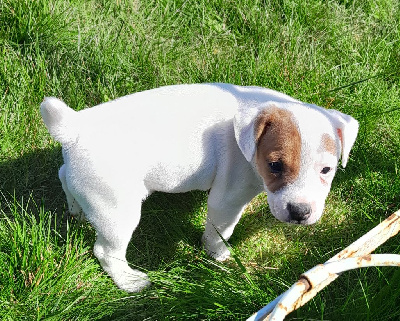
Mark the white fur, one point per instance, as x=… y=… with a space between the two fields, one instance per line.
x=176 y=139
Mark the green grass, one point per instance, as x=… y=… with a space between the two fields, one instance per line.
x=342 y=54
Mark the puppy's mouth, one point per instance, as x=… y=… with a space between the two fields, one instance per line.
x=303 y=222
x=310 y=220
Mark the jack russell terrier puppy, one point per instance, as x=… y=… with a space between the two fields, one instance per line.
x=233 y=141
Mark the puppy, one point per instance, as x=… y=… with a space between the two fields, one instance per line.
x=233 y=141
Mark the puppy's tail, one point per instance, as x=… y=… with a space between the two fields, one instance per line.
x=59 y=119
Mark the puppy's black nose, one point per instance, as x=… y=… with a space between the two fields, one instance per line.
x=299 y=211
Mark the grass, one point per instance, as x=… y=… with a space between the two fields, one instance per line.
x=342 y=54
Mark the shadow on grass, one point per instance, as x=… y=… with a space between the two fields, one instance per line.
x=168 y=221
x=33 y=176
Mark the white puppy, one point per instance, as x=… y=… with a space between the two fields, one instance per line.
x=234 y=141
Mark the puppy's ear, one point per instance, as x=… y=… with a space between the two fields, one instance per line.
x=347 y=130
x=244 y=124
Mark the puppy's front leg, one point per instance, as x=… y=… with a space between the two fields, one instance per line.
x=225 y=207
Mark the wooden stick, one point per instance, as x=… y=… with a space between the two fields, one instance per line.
x=305 y=289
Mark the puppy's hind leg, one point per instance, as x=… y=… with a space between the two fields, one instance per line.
x=114 y=231
x=74 y=208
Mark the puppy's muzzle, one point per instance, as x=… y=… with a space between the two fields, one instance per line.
x=299 y=212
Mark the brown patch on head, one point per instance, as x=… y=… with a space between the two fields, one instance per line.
x=278 y=140
x=328 y=144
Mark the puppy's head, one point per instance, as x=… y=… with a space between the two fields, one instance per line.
x=296 y=148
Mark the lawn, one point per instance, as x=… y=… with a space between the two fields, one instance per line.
x=341 y=54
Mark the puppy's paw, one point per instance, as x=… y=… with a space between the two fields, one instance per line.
x=216 y=250
x=132 y=281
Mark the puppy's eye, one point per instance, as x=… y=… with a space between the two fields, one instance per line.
x=275 y=167
x=326 y=170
